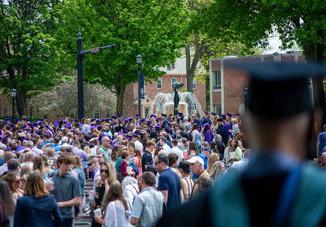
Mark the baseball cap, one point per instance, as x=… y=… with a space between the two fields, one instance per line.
x=196 y=159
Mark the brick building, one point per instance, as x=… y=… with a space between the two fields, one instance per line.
x=164 y=85
x=227 y=85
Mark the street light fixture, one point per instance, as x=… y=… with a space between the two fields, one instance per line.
x=13 y=94
x=139 y=61
x=80 y=74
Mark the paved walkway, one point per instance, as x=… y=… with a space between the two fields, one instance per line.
x=84 y=219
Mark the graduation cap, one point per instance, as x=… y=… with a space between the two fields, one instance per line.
x=129 y=138
x=136 y=134
x=280 y=90
x=68 y=125
x=153 y=116
x=56 y=124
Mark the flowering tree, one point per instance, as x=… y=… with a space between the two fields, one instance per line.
x=62 y=100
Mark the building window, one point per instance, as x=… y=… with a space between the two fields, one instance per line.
x=194 y=84
x=217 y=80
x=171 y=67
x=159 y=83
x=217 y=108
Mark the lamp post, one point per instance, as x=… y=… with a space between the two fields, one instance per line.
x=80 y=75
x=139 y=60
x=13 y=96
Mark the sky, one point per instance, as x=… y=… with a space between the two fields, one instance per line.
x=274 y=45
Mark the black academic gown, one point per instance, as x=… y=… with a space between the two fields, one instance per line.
x=261 y=195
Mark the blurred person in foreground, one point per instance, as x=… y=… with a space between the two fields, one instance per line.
x=277 y=188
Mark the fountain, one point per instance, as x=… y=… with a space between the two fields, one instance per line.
x=164 y=103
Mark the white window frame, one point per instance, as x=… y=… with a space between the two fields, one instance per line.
x=159 y=82
x=171 y=67
x=217 y=80
x=217 y=108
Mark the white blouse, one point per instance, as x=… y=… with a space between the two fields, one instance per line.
x=116 y=215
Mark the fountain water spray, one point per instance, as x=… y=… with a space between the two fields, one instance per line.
x=163 y=103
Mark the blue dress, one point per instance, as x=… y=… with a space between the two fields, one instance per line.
x=37 y=212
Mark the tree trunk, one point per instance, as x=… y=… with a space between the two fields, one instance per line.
x=188 y=63
x=190 y=81
x=120 y=97
x=21 y=103
x=192 y=64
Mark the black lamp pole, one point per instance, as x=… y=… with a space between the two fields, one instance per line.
x=80 y=73
x=80 y=76
x=139 y=60
x=13 y=96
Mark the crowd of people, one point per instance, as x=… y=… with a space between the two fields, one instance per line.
x=139 y=168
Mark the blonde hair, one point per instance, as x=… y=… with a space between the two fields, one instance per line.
x=77 y=161
x=215 y=170
x=211 y=160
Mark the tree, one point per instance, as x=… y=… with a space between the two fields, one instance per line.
x=201 y=46
x=153 y=29
x=251 y=22
x=62 y=100
x=27 y=54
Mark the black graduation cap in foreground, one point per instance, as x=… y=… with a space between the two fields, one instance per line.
x=280 y=90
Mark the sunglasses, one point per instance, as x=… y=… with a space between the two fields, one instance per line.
x=89 y=164
x=104 y=170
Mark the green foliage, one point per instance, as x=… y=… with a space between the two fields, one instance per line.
x=27 y=54
x=202 y=22
x=151 y=28
x=251 y=22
